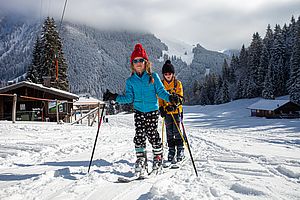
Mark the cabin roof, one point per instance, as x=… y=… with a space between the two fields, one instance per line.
x=268 y=104
x=41 y=87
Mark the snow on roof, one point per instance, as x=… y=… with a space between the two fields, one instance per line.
x=266 y=104
x=40 y=86
x=87 y=101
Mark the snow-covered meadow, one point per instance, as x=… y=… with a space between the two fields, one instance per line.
x=237 y=157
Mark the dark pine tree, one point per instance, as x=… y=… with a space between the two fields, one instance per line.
x=203 y=100
x=242 y=71
x=238 y=93
x=50 y=61
x=289 y=34
x=34 y=69
x=225 y=92
x=268 y=90
x=268 y=39
x=211 y=88
x=219 y=83
x=225 y=71
x=265 y=56
x=234 y=64
x=254 y=54
x=263 y=67
x=277 y=59
x=294 y=90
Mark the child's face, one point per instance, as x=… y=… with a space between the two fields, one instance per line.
x=168 y=76
x=139 y=64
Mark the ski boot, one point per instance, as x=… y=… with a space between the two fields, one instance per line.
x=171 y=158
x=140 y=166
x=180 y=153
x=157 y=164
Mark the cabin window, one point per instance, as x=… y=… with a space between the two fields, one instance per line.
x=62 y=106
x=22 y=106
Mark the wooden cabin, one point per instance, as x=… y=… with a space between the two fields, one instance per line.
x=35 y=102
x=275 y=109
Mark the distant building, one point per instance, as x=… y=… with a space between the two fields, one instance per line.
x=36 y=102
x=275 y=109
x=87 y=103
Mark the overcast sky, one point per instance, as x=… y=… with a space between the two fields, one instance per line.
x=215 y=24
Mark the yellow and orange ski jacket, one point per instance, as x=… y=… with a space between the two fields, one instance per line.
x=174 y=86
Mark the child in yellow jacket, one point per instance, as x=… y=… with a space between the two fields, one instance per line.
x=174 y=140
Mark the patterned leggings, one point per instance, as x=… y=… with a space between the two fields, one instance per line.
x=146 y=127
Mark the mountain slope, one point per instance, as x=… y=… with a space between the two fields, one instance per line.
x=99 y=60
x=17 y=37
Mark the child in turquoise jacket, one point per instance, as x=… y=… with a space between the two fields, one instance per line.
x=142 y=89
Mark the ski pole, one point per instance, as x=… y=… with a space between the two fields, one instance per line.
x=186 y=143
x=162 y=132
x=99 y=124
x=184 y=133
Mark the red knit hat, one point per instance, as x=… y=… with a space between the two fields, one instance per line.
x=138 y=51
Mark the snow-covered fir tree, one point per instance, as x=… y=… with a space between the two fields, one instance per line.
x=33 y=72
x=254 y=54
x=238 y=93
x=48 y=58
x=227 y=80
x=263 y=67
x=268 y=89
x=277 y=62
x=208 y=90
x=225 y=92
x=294 y=90
x=268 y=39
x=242 y=70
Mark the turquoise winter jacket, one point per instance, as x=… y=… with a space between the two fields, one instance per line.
x=142 y=93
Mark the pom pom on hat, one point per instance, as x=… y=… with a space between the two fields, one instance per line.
x=168 y=67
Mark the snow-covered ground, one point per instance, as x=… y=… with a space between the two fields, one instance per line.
x=237 y=157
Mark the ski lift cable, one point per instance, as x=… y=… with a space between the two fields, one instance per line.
x=56 y=54
x=48 y=7
x=41 y=10
x=62 y=16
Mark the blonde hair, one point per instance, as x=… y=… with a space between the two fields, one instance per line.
x=148 y=70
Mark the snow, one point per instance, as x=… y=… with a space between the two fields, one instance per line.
x=267 y=104
x=179 y=49
x=236 y=156
x=87 y=100
x=74 y=31
x=18 y=79
x=207 y=70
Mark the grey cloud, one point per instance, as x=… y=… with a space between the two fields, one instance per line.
x=215 y=24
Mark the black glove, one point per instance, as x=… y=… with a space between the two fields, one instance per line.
x=162 y=112
x=171 y=108
x=174 y=99
x=109 y=96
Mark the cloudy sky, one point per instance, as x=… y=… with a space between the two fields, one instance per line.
x=215 y=24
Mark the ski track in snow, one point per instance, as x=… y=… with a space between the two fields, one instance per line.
x=50 y=161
